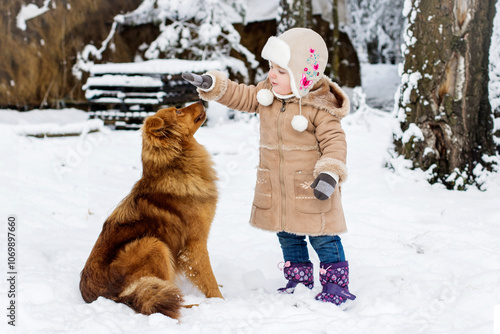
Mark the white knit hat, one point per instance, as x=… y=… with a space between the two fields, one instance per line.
x=303 y=54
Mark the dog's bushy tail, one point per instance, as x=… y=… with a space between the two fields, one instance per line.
x=148 y=295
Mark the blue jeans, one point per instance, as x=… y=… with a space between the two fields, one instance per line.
x=329 y=248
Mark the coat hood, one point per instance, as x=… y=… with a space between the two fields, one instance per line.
x=327 y=95
x=303 y=53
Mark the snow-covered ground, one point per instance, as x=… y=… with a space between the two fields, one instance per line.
x=423 y=259
x=380 y=83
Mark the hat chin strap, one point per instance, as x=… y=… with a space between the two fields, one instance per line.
x=265 y=97
x=295 y=91
x=299 y=122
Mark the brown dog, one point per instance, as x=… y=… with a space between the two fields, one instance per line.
x=162 y=226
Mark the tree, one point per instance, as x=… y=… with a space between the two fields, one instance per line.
x=376 y=28
x=335 y=50
x=39 y=43
x=445 y=118
x=296 y=13
x=494 y=84
x=189 y=29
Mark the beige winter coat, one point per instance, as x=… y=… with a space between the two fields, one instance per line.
x=291 y=160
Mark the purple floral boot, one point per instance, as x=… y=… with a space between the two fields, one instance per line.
x=334 y=278
x=296 y=273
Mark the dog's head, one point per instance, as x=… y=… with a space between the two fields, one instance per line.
x=174 y=125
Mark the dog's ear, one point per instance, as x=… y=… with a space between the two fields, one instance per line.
x=153 y=124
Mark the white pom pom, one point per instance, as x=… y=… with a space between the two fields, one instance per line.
x=265 y=97
x=299 y=123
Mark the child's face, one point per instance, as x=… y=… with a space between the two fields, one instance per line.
x=280 y=79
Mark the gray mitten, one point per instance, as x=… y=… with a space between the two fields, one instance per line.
x=323 y=186
x=200 y=81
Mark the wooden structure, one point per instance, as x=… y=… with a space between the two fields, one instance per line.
x=123 y=94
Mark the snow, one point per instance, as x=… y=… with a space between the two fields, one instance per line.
x=408 y=86
x=29 y=12
x=413 y=132
x=411 y=81
x=407 y=7
x=60 y=117
x=410 y=10
x=423 y=259
x=141 y=74
x=50 y=122
x=117 y=80
x=375 y=77
x=264 y=10
x=92 y=50
x=124 y=81
x=157 y=66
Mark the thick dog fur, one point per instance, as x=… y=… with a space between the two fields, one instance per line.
x=162 y=226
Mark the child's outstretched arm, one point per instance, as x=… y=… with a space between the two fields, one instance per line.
x=224 y=91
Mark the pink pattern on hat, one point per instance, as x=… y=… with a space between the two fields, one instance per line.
x=307 y=77
x=304 y=83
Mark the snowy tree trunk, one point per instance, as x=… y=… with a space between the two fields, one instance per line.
x=444 y=112
x=335 y=52
x=294 y=13
x=494 y=70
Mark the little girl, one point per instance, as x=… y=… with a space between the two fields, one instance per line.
x=302 y=156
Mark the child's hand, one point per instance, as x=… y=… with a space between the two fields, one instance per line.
x=323 y=186
x=200 y=81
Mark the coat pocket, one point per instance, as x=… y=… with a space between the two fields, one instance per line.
x=263 y=189
x=305 y=201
